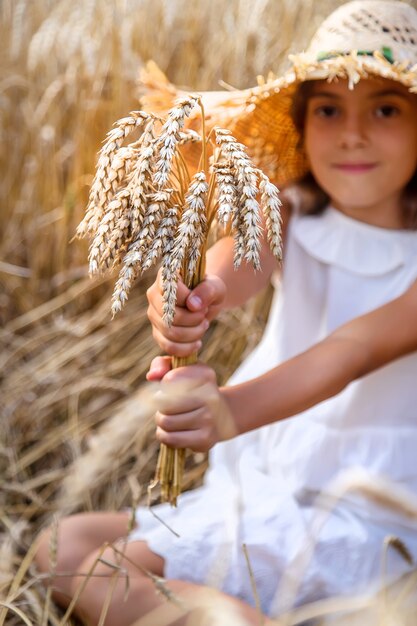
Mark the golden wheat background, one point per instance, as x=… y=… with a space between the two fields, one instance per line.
x=70 y=377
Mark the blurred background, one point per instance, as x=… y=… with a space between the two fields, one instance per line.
x=68 y=70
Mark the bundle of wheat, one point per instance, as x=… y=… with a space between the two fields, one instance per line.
x=145 y=205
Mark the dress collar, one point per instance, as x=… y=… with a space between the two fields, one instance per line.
x=336 y=239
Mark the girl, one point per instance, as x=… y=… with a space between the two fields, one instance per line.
x=338 y=356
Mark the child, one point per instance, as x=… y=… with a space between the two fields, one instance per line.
x=338 y=356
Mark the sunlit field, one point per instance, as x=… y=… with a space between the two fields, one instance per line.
x=76 y=427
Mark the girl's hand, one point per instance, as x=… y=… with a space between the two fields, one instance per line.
x=193 y=313
x=192 y=410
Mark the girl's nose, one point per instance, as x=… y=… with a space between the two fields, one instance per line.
x=353 y=132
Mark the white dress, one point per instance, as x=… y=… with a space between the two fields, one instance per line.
x=261 y=488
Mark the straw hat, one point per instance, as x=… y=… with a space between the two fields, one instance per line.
x=359 y=39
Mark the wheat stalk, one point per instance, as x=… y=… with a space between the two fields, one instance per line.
x=146 y=206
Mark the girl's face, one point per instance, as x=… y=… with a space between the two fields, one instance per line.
x=362 y=146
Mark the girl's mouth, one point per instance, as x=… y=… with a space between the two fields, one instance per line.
x=355 y=167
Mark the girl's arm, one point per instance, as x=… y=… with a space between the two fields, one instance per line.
x=352 y=351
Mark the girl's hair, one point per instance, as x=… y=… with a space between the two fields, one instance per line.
x=313 y=200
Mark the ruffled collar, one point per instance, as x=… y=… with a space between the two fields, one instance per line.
x=336 y=239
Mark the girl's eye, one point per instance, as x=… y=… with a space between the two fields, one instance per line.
x=387 y=110
x=326 y=111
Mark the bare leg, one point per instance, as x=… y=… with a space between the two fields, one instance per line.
x=120 y=586
x=78 y=536
x=119 y=592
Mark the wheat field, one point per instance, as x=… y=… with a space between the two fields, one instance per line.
x=72 y=402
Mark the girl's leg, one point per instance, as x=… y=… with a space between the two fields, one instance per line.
x=122 y=588
x=77 y=537
x=121 y=581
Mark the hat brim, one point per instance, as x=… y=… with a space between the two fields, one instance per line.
x=260 y=117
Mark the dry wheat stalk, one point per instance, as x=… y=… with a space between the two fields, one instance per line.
x=146 y=206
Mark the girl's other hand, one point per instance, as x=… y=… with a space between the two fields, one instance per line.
x=192 y=412
x=193 y=313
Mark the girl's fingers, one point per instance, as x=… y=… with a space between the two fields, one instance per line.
x=207 y=295
x=156 y=290
x=198 y=430
x=194 y=430
x=192 y=306
x=179 y=398
x=182 y=318
x=188 y=420
x=191 y=319
x=160 y=366
x=175 y=348
x=192 y=377
x=181 y=381
x=194 y=440
x=184 y=390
